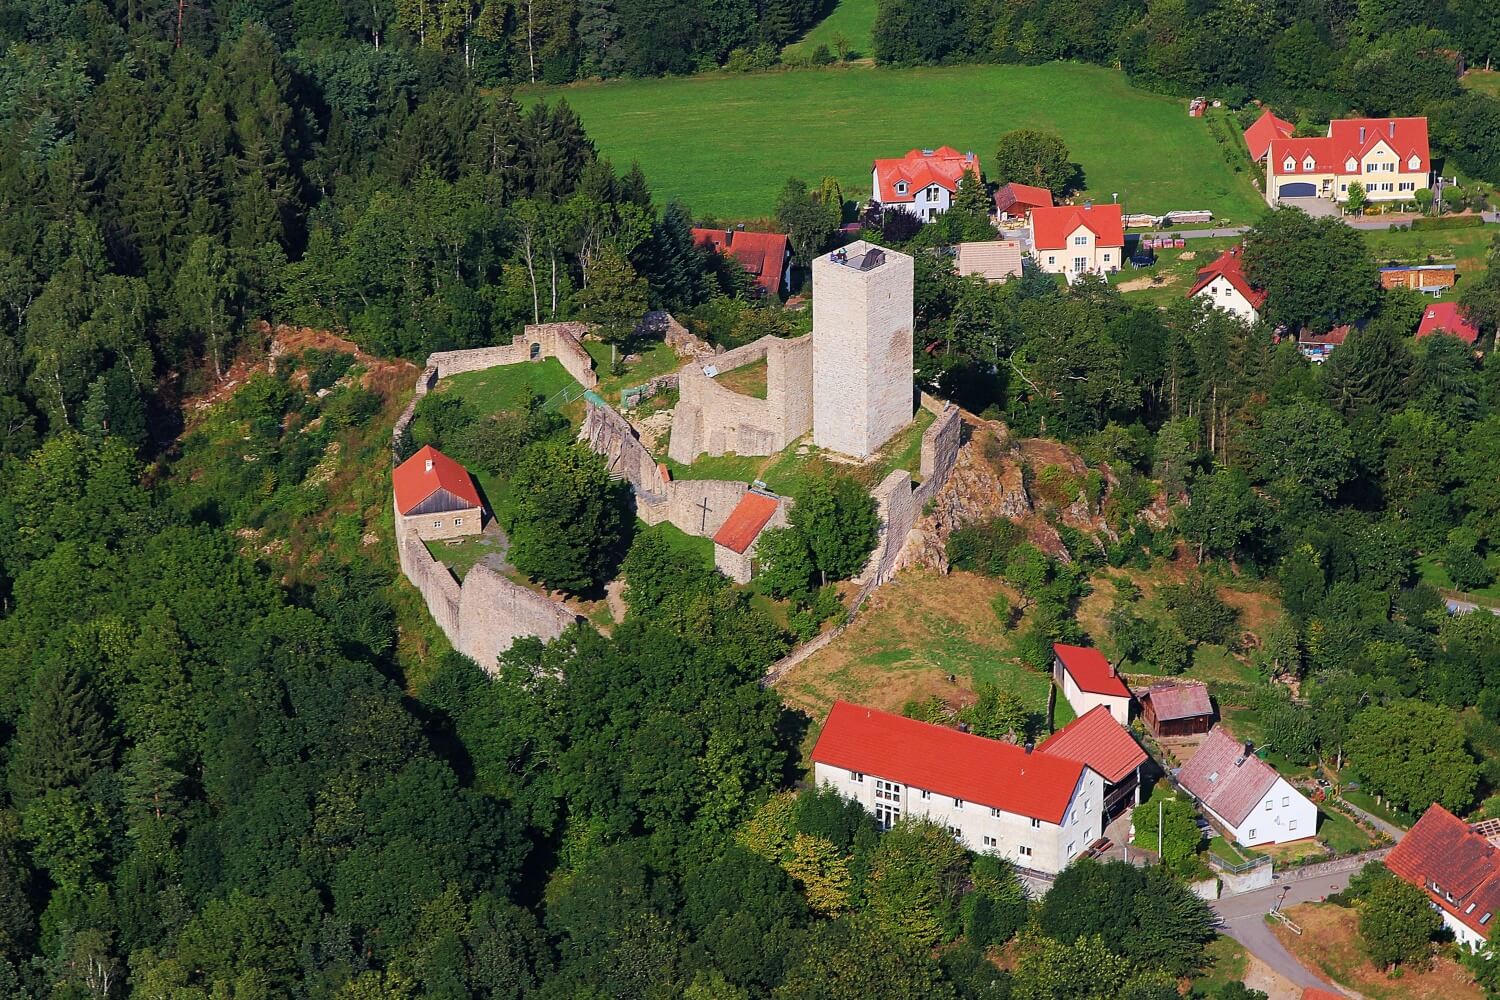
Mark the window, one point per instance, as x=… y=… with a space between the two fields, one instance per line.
x=1252 y=834
x=1485 y=919
x=1350 y=165
x=1470 y=908
x=886 y=815
x=955 y=833
x=932 y=193
x=887 y=790
x=994 y=811
x=1106 y=258
x=1407 y=186
x=1414 y=162
x=1290 y=164
x=437 y=524
x=1080 y=264
x=1052 y=260
x=1286 y=800
x=1309 y=163
x=1025 y=852
x=1080 y=241
x=1070 y=848
x=1213 y=777
x=1036 y=824
x=958 y=803
x=458 y=522
x=1269 y=804
x=1074 y=819
x=1370 y=167
x=925 y=794
x=1389 y=168
x=1292 y=825
x=1343 y=187
x=1088 y=805
x=856 y=776
x=900 y=187
x=994 y=842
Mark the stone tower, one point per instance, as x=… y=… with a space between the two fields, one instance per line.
x=862 y=347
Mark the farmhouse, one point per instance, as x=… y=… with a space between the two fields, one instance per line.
x=1245 y=795
x=1074 y=240
x=1015 y=201
x=1267 y=127
x=1174 y=709
x=1087 y=680
x=766 y=256
x=1457 y=867
x=1445 y=317
x=436 y=497
x=1039 y=810
x=1429 y=279
x=993 y=260
x=1388 y=156
x=1224 y=284
x=734 y=542
x=1096 y=739
x=923 y=182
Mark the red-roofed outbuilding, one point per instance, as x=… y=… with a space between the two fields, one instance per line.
x=734 y=542
x=1446 y=317
x=767 y=256
x=436 y=497
x=1267 y=127
x=1015 y=201
x=1039 y=810
x=1087 y=679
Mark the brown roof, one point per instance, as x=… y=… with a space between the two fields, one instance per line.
x=1442 y=850
x=1026 y=195
x=745 y=521
x=992 y=260
x=1096 y=739
x=1179 y=701
x=1225 y=778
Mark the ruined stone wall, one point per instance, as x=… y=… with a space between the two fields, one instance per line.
x=898 y=503
x=425 y=381
x=552 y=340
x=940 y=444
x=610 y=435
x=494 y=612
x=710 y=418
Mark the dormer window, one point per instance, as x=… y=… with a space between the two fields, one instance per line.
x=1485 y=919
x=1290 y=164
x=900 y=187
x=1308 y=163
x=1415 y=163
x=1351 y=165
x=1213 y=777
x=1470 y=908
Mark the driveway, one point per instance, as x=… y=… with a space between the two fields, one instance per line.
x=1244 y=920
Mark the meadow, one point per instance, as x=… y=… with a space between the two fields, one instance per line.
x=725 y=144
x=853 y=20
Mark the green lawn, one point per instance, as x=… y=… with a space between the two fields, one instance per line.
x=1366 y=801
x=1487 y=81
x=1229 y=853
x=725 y=144
x=1226 y=961
x=507 y=388
x=852 y=19
x=747 y=380
x=1340 y=833
x=688 y=548
x=1434 y=575
x=1172 y=275
x=461 y=554
x=1468 y=248
x=656 y=359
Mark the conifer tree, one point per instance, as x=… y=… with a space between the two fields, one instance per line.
x=66 y=737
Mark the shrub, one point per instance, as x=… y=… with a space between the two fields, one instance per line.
x=822 y=56
x=1448 y=222
x=1200 y=613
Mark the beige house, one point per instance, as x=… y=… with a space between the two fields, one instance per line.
x=436 y=497
x=1074 y=240
x=1389 y=157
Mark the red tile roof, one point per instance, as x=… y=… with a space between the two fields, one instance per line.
x=1090 y=670
x=1333 y=338
x=1179 y=701
x=1444 y=317
x=1314 y=993
x=921 y=168
x=1096 y=739
x=988 y=772
x=1051 y=227
x=1226 y=779
x=1442 y=849
x=1267 y=127
x=1026 y=196
x=1230 y=266
x=762 y=254
x=428 y=471
x=745 y=521
x=1352 y=138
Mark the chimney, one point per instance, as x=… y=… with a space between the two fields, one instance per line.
x=1030 y=747
x=1361 y=135
x=1088 y=203
x=1249 y=748
x=1393 y=128
x=429 y=466
x=728 y=237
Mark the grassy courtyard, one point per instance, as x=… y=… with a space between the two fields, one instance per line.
x=507 y=388
x=725 y=144
x=852 y=20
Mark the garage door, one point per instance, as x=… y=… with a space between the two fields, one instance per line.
x=1301 y=190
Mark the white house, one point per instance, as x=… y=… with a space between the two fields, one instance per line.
x=1245 y=795
x=1038 y=810
x=923 y=182
x=1087 y=680
x=1074 y=240
x=1223 y=283
x=1459 y=869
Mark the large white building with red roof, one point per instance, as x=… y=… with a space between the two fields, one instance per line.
x=1097 y=740
x=1389 y=157
x=1039 y=810
x=1244 y=795
x=1223 y=283
x=436 y=497
x=1458 y=868
x=1074 y=240
x=1087 y=680
x=923 y=182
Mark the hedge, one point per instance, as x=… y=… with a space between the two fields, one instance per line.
x=1449 y=222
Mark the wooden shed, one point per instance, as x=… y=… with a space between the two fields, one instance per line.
x=1177 y=709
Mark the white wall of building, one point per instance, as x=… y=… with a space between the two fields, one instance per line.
x=1081 y=255
x=1282 y=815
x=1083 y=701
x=1225 y=296
x=1036 y=844
x=925 y=203
x=1462 y=932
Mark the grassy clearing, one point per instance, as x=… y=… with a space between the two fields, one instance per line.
x=1330 y=942
x=1230 y=854
x=1227 y=962
x=686 y=547
x=656 y=359
x=1434 y=575
x=853 y=20
x=1364 y=800
x=1172 y=275
x=747 y=380
x=508 y=387
x=1485 y=81
x=1467 y=248
x=914 y=633
x=1340 y=833
x=725 y=144
x=462 y=554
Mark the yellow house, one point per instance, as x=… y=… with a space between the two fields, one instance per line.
x=1074 y=240
x=1388 y=156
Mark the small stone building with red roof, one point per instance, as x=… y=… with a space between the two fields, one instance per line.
x=1087 y=680
x=1074 y=240
x=1038 y=810
x=1016 y=201
x=1244 y=795
x=1458 y=868
x=1224 y=284
x=734 y=542
x=766 y=256
x=1096 y=739
x=923 y=182
x=1446 y=317
x=436 y=497
x=1389 y=157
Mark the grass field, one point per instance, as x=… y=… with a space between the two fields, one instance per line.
x=1331 y=944
x=725 y=144
x=1487 y=81
x=852 y=19
x=508 y=387
x=1468 y=248
x=1340 y=833
x=1172 y=275
x=1227 y=961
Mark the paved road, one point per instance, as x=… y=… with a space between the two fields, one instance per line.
x=1244 y=920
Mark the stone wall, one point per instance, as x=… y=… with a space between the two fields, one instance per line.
x=425 y=381
x=898 y=503
x=685 y=502
x=610 y=435
x=713 y=419
x=540 y=340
